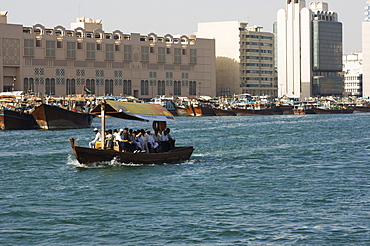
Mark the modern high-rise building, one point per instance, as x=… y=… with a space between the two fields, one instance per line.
x=245 y=58
x=366 y=51
x=61 y=61
x=309 y=49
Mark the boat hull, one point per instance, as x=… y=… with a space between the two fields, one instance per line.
x=53 y=117
x=14 y=120
x=249 y=112
x=333 y=111
x=88 y=156
x=224 y=112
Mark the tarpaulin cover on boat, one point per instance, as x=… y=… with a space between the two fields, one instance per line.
x=135 y=111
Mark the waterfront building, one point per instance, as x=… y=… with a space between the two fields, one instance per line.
x=61 y=61
x=352 y=68
x=245 y=58
x=366 y=51
x=309 y=41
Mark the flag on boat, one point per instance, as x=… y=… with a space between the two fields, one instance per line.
x=135 y=111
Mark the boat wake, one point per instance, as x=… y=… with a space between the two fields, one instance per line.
x=113 y=163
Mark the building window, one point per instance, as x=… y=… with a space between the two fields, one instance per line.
x=98 y=46
x=38 y=43
x=161 y=54
x=71 y=49
x=193 y=56
x=109 y=52
x=90 y=51
x=153 y=78
x=117 y=47
x=71 y=86
x=184 y=51
x=29 y=47
x=60 y=75
x=144 y=87
x=192 y=88
x=127 y=53
x=50 y=86
x=127 y=87
x=177 y=88
x=28 y=85
x=145 y=53
x=109 y=87
x=177 y=57
x=168 y=51
x=79 y=46
x=50 y=48
x=161 y=87
x=99 y=74
x=151 y=50
x=59 y=44
x=118 y=78
x=80 y=74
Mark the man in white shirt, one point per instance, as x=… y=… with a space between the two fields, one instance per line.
x=97 y=138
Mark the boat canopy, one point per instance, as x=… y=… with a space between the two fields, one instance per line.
x=134 y=111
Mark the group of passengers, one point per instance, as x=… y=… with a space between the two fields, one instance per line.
x=135 y=141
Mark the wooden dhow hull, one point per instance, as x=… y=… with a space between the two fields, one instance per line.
x=88 y=156
x=333 y=111
x=15 y=120
x=53 y=117
x=224 y=112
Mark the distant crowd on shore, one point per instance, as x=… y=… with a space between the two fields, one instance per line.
x=128 y=140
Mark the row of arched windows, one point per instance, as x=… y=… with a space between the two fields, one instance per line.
x=31 y=85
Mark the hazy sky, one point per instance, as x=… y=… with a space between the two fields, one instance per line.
x=174 y=17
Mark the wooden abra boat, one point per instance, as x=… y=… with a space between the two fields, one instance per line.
x=53 y=117
x=131 y=111
x=89 y=156
x=16 y=120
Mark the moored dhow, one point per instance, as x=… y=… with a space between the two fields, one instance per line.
x=16 y=120
x=53 y=117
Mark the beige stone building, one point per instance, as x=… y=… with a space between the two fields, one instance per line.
x=62 y=61
x=245 y=58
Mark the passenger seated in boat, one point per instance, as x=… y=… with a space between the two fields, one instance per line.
x=171 y=140
x=152 y=144
x=109 y=139
x=165 y=142
x=126 y=141
x=136 y=142
x=96 y=139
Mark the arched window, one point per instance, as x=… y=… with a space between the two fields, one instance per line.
x=127 y=87
x=192 y=88
x=109 y=87
x=144 y=87
x=68 y=86
x=31 y=85
x=47 y=87
x=25 y=85
x=177 y=88
x=161 y=87
x=52 y=86
x=73 y=86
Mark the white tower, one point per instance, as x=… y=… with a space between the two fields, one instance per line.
x=294 y=49
x=366 y=51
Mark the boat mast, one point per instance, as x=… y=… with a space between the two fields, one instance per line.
x=103 y=124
